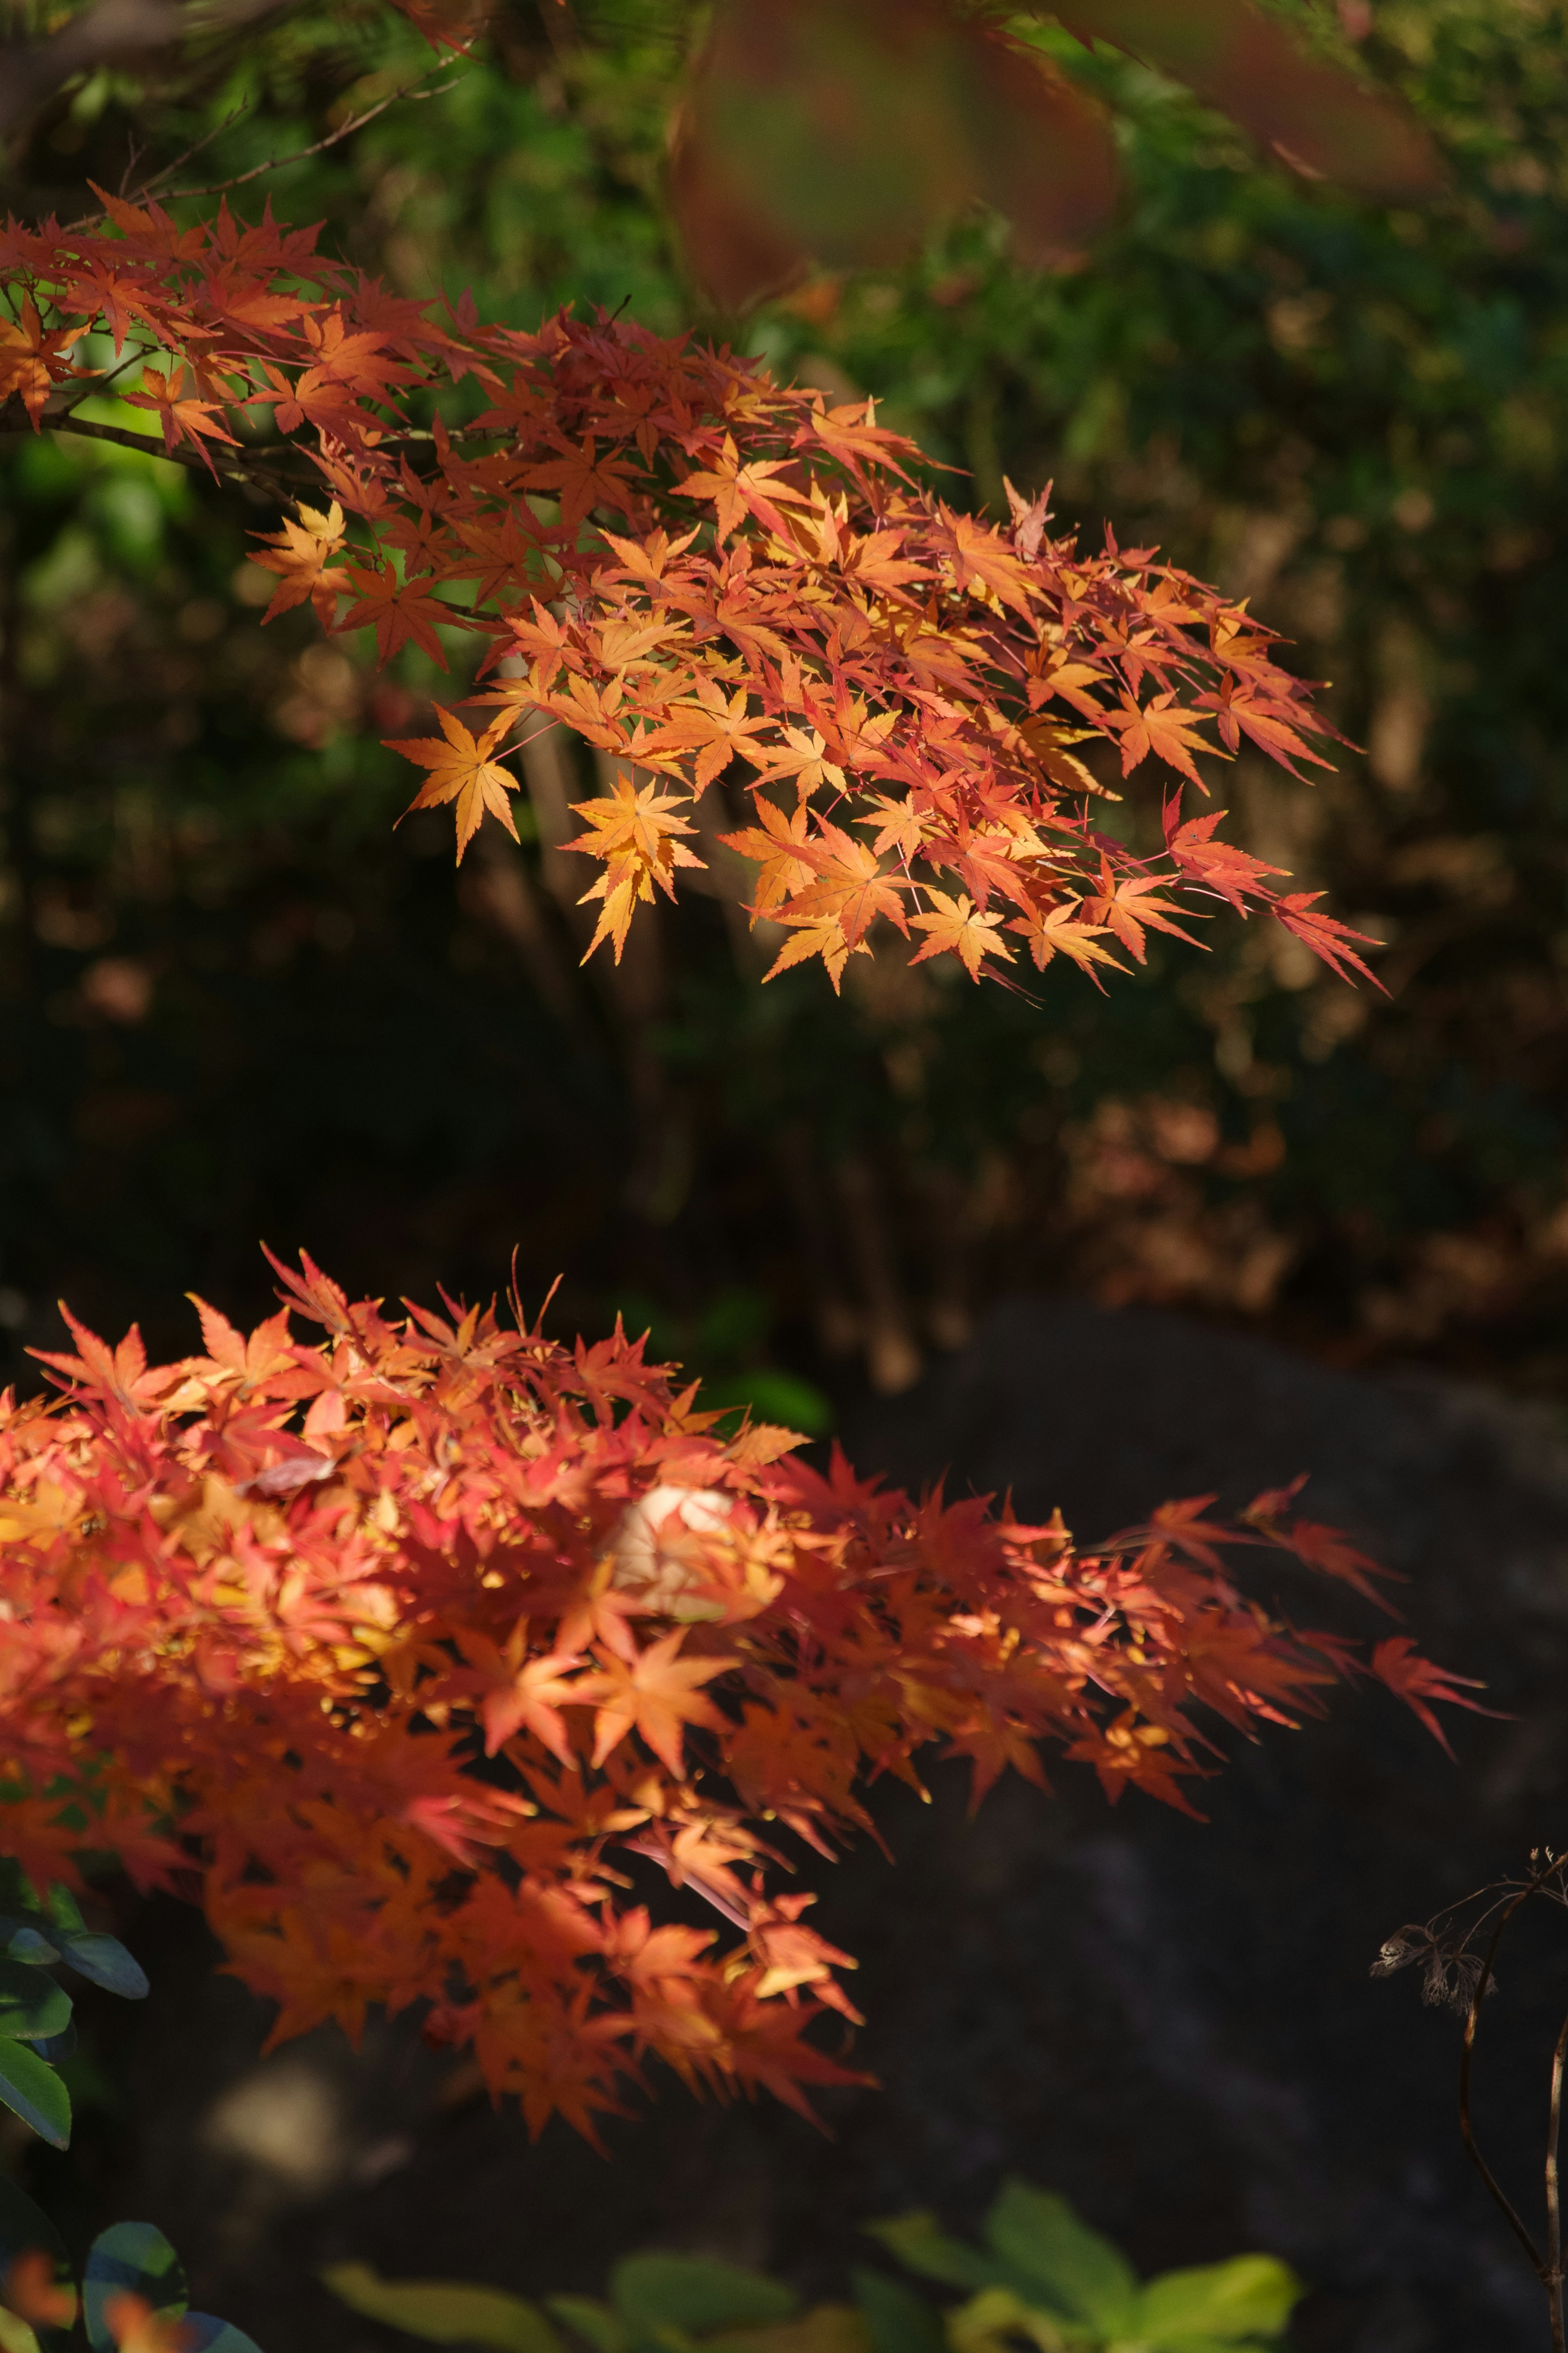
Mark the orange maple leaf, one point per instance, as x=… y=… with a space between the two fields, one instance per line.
x=462 y=770
x=656 y=1693
x=399 y=610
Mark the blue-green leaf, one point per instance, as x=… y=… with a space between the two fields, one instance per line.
x=32 y=2090
x=1049 y=2254
x=200 y=2333
x=105 y=1962
x=32 y=2004
x=135 y=2257
x=53 y=2048
x=697 y=2294
x=1249 y=2298
x=448 y=2312
x=28 y=1944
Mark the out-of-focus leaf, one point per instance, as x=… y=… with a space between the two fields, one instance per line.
x=200 y=2333
x=448 y=2312
x=27 y=1943
x=54 y=2048
x=105 y=1962
x=30 y=2087
x=1314 y=113
x=1249 y=2298
x=131 y=2258
x=32 y=2005
x=38 y=2286
x=826 y=2329
x=900 y=2320
x=604 y=2330
x=65 y=1912
x=1047 y=2248
x=844 y=130
x=690 y=2291
x=919 y=2239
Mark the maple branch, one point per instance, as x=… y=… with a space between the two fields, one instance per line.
x=248 y=473
x=415 y=91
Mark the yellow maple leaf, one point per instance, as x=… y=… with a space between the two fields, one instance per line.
x=635 y=833
x=956 y=928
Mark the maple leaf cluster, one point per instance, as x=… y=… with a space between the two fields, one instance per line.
x=439 y=1654
x=713 y=579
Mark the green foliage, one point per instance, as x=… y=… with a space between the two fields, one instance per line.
x=36 y=2029
x=1042 y=2278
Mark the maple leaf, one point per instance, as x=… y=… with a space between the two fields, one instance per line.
x=980 y=553
x=32 y=359
x=657 y=1693
x=582 y=481
x=783 y=848
x=1233 y=873
x=1400 y=1666
x=713 y=726
x=955 y=928
x=1161 y=727
x=401 y=612
x=121 y=1372
x=462 y=770
x=300 y=555
x=183 y=417
x=1060 y=930
x=1128 y=904
x=1330 y=940
x=635 y=833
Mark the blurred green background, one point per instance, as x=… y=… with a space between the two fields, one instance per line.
x=235 y=1003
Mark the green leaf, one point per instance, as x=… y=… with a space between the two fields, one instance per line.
x=1250 y=2296
x=105 y=1962
x=1048 y=2252
x=132 y=2256
x=604 y=2330
x=31 y=2089
x=448 y=2312
x=919 y=2241
x=898 y=2320
x=32 y=2005
x=25 y=2230
x=988 y=2320
x=696 y=2293
x=64 y=1912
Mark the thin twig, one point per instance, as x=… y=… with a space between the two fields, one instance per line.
x=1466 y=2133
x=145 y=188
x=415 y=91
x=1553 y=2205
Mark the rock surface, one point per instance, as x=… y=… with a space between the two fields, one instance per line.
x=1171 y=2021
